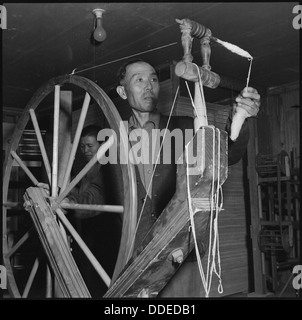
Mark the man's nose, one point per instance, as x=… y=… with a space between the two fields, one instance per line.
x=86 y=149
x=149 y=85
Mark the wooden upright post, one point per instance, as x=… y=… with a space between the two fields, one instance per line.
x=64 y=133
x=259 y=283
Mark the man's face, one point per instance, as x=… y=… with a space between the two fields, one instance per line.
x=89 y=146
x=141 y=86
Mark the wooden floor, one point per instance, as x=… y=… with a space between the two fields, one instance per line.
x=283 y=293
x=286 y=293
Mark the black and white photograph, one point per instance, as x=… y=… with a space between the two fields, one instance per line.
x=151 y=153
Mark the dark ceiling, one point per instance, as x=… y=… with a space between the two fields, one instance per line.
x=51 y=39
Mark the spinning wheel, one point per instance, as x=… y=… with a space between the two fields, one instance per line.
x=48 y=225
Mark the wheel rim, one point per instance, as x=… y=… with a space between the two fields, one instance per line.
x=128 y=172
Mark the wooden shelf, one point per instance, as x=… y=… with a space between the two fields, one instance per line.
x=28 y=163
x=273 y=179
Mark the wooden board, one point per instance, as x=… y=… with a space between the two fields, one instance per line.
x=67 y=274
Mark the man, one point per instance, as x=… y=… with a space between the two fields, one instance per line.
x=97 y=229
x=139 y=85
x=90 y=189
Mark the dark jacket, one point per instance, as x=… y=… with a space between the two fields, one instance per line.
x=164 y=179
x=89 y=191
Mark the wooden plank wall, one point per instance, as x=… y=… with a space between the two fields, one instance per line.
x=279 y=122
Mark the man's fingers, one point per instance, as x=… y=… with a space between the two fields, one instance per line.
x=249 y=102
x=251 y=106
x=251 y=109
x=43 y=185
x=250 y=93
x=249 y=99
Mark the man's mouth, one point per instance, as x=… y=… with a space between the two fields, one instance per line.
x=148 y=98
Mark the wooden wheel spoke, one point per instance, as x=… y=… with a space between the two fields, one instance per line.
x=55 y=150
x=55 y=145
x=31 y=278
x=19 y=243
x=24 y=167
x=65 y=129
x=15 y=205
x=76 y=141
x=97 y=266
x=41 y=143
x=93 y=207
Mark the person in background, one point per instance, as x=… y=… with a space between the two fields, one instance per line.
x=101 y=231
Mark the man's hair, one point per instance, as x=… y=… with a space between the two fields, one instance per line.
x=91 y=131
x=122 y=70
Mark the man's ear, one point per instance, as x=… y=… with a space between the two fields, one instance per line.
x=121 y=92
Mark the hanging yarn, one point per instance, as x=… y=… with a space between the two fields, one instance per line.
x=213 y=251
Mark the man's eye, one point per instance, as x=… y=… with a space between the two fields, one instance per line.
x=155 y=80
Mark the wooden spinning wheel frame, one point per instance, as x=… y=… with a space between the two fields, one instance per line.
x=47 y=216
x=165 y=245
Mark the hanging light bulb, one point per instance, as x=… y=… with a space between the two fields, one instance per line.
x=99 y=33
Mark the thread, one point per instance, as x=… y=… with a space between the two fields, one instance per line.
x=249 y=73
x=153 y=172
x=113 y=61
